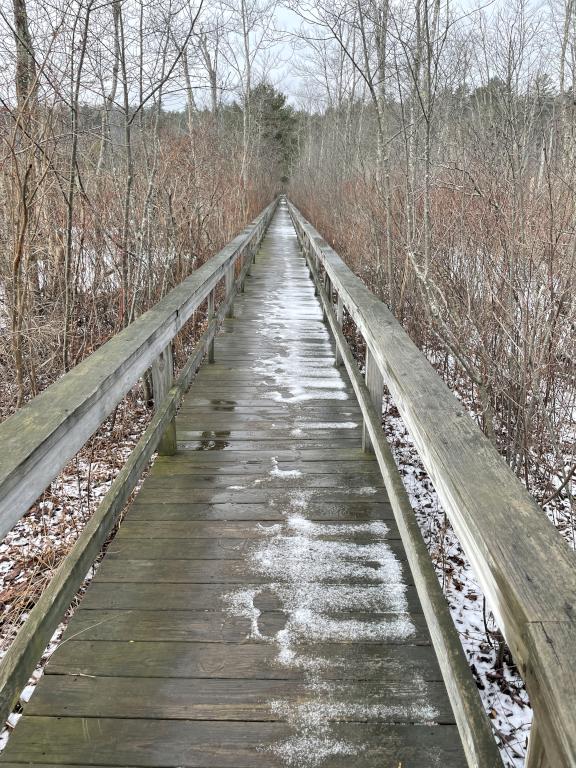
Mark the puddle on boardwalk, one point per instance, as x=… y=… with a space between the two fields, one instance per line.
x=223 y=405
x=213 y=440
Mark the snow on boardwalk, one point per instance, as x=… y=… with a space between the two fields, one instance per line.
x=256 y=608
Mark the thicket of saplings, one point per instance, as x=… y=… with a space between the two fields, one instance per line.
x=450 y=190
x=185 y=203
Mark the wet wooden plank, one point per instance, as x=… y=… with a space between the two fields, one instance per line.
x=209 y=625
x=364 y=484
x=241 y=661
x=298 y=434
x=352 y=453
x=194 y=464
x=274 y=403
x=226 y=571
x=169 y=743
x=192 y=529
x=131 y=549
x=279 y=425
x=264 y=512
x=222 y=444
x=180 y=597
x=239 y=495
x=392 y=700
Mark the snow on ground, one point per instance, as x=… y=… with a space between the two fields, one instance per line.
x=501 y=688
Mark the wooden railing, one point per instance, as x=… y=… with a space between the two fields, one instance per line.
x=525 y=568
x=41 y=437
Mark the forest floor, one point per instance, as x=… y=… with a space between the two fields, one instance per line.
x=501 y=687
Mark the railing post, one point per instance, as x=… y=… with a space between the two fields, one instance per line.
x=307 y=249
x=317 y=268
x=211 y=314
x=162 y=380
x=340 y=321
x=375 y=385
x=536 y=757
x=328 y=289
x=229 y=286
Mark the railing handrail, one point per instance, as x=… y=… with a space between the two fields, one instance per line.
x=525 y=568
x=42 y=436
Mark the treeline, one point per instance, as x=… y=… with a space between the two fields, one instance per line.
x=442 y=166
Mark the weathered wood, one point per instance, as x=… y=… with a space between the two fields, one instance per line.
x=210 y=597
x=312 y=480
x=339 y=320
x=223 y=700
x=259 y=495
x=318 y=512
x=162 y=380
x=525 y=568
x=19 y=661
x=328 y=292
x=179 y=631
x=312 y=455
x=41 y=437
x=198 y=529
x=274 y=434
x=23 y=654
x=153 y=743
x=375 y=386
x=536 y=755
x=192 y=463
x=216 y=658
x=160 y=570
x=211 y=297
x=228 y=288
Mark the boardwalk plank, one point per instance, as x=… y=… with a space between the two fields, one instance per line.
x=193 y=529
x=152 y=550
x=221 y=571
x=169 y=743
x=130 y=625
x=319 y=512
x=245 y=661
x=156 y=596
x=214 y=699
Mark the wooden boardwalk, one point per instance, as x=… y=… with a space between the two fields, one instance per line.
x=256 y=608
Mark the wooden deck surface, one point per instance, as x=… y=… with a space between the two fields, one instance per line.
x=256 y=608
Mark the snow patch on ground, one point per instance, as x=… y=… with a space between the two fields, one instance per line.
x=501 y=687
